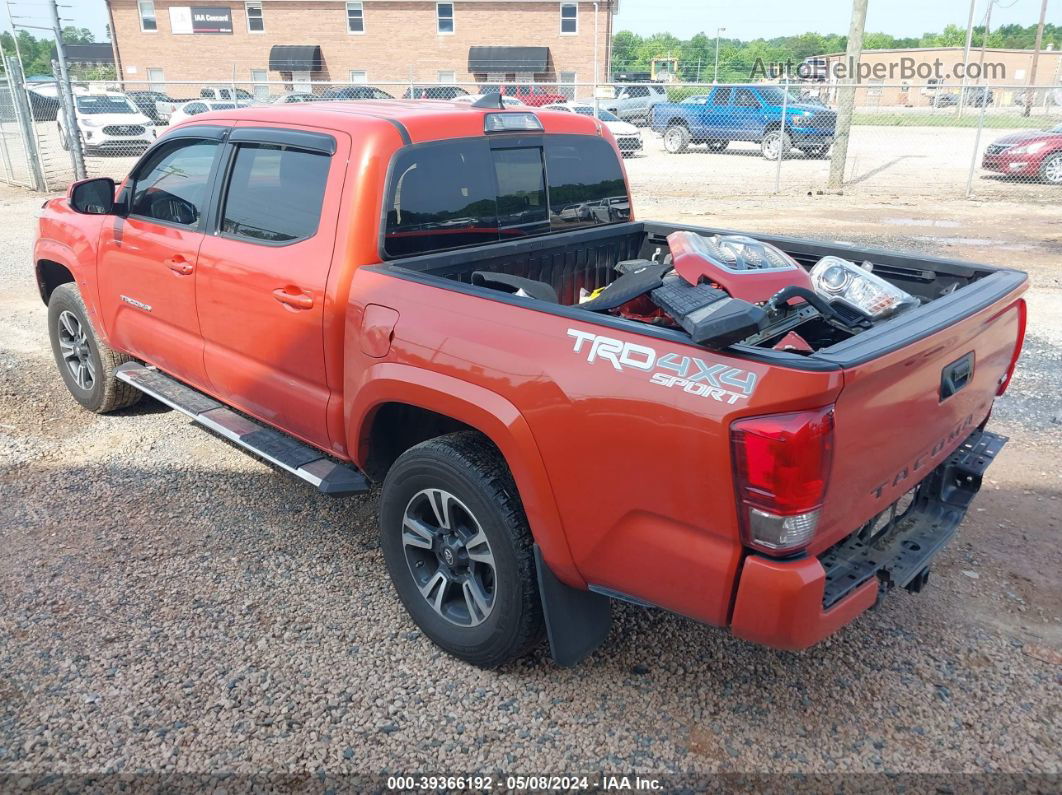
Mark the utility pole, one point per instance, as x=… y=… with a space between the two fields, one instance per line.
x=1035 y=59
x=966 y=57
x=717 y=32
x=846 y=95
x=73 y=135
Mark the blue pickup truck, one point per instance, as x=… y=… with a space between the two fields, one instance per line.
x=745 y=113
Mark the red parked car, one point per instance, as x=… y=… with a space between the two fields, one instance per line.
x=1032 y=153
x=529 y=94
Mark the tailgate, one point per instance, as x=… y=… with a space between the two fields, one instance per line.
x=903 y=411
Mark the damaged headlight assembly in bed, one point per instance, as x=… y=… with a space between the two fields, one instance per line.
x=844 y=282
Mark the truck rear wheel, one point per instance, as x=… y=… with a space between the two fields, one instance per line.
x=459 y=551
x=86 y=363
x=676 y=139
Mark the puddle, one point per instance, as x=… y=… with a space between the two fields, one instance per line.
x=921 y=222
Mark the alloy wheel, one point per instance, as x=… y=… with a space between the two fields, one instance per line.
x=74 y=346
x=1053 y=170
x=449 y=557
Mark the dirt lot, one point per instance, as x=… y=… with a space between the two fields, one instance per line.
x=168 y=604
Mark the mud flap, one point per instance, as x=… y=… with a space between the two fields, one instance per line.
x=577 y=622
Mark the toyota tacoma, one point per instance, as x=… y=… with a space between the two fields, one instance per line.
x=563 y=405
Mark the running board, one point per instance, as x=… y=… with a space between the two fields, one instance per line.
x=330 y=477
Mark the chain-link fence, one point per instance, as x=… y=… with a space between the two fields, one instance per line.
x=999 y=142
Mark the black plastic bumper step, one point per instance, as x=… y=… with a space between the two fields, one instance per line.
x=906 y=546
x=330 y=477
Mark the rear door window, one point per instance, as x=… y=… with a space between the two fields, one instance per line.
x=441 y=196
x=274 y=193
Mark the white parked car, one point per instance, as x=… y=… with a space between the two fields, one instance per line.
x=468 y=99
x=628 y=137
x=108 y=122
x=195 y=107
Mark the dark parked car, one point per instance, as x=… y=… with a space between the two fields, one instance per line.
x=976 y=97
x=145 y=103
x=433 y=91
x=42 y=106
x=355 y=92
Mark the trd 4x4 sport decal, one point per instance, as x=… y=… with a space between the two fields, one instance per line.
x=690 y=374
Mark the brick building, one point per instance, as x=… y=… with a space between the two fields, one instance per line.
x=369 y=41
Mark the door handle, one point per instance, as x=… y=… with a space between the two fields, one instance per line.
x=179 y=264
x=286 y=295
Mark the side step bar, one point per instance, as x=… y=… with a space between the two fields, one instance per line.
x=330 y=477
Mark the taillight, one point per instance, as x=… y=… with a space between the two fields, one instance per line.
x=781 y=468
x=1022 y=319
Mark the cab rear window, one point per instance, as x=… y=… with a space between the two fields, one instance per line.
x=471 y=191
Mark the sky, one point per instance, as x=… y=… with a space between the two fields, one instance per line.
x=747 y=19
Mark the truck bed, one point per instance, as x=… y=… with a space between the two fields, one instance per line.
x=585 y=259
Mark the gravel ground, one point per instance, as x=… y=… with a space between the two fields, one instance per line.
x=168 y=604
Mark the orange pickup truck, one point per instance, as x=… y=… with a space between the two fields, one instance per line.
x=458 y=303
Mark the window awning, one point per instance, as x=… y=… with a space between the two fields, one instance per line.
x=508 y=59
x=295 y=58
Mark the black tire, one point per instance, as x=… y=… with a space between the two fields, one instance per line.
x=771 y=139
x=64 y=141
x=1051 y=169
x=718 y=146
x=73 y=338
x=676 y=139
x=480 y=495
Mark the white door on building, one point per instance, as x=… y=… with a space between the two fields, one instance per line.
x=567 y=87
x=259 y=77
x=300 y=81
x=156 y=80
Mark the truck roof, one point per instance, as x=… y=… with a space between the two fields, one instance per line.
x=417 y=120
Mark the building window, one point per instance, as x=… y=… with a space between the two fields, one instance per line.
x=255 y=22
x=444 y=17
x=569 y=18
x=355 y=18
x=359 y=76
x=446 y=77
x=148 y=22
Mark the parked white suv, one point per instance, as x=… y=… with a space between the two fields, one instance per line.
x=108 y=122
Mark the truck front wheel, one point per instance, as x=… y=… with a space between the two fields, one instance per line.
x=676 y=139
x=775 y=144
x=86 y=363
x=459 y=551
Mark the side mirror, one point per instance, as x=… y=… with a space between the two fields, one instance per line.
x=93 y=196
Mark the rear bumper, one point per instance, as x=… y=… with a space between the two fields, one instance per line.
x=795 y=604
